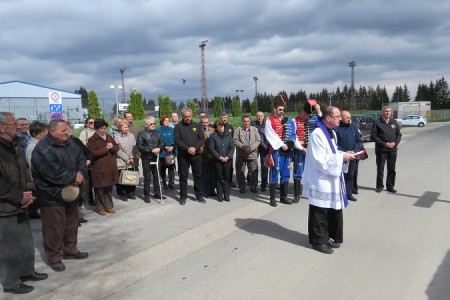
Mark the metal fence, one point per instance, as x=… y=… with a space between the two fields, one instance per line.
x=440 y=115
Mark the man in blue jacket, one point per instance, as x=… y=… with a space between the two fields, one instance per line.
x=348 y=139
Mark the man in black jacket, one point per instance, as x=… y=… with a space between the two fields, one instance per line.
x=150 y=143
x=16 y=239
x=57 y=161
x=386 y=135
x=260 y=124
x=189 y=138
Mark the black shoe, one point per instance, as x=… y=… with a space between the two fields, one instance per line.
x=287 y=201
x=123 y=198
x=379 y=189
x=324 y=248
x=132 y=197
x=171 y=186
x=263 y=188
x=159 y=197
x=201 y=199
x=333 y=244
x=355 y=192
x=165 y=186
x=34 y=277
x=78 y=255
x=91 y=203
x=392 y=190
x=273 y=203
x=58 y=267
x=233 y=185
x=34 y=216
x=242 y=191
x=220 y=199
x=351 y=198
x=182 y=201
x=212 y=194
x=147 y=199
x=253 y=190
x=82 y=220
x=22 y=288
x=227 y=199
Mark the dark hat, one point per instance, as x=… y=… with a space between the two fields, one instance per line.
x=280 y=100
x=99 y=123
x=309 y=105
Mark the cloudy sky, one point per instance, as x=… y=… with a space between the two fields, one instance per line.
x=288 y=44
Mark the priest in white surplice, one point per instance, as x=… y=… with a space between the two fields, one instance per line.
x=324 y=184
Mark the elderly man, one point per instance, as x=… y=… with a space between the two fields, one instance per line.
x=280 y=133
x=246 y=139
x=386 y=135
x=348 y=139
x=324 y=184
x=16 y=188
x=189 y=138
x=173 y=119
x=209 y=177
x=23 y=132
x=230 y=129
x=57 y=161
x=150 y=144
x=260 y=124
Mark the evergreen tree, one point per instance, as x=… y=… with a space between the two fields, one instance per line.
x=84 y=96
x=165 y=106
x=218 y=106
x=136 y=106
x=93 y=105
x=193 y=106
x=246 y=106
x=236 y=110
x=441 y=93
x=254 y=107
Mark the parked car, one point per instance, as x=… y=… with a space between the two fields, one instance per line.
x=77 y=124
x=364 y=124
x=412 y=120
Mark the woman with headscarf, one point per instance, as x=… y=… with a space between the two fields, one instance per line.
x=125 y=158
x=104 y=167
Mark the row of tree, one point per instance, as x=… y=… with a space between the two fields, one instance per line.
x=369 y=98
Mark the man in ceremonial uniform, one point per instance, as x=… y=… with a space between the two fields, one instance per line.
x=305 y=123
x=280 y=133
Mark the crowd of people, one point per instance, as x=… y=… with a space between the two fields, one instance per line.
x=47 y=173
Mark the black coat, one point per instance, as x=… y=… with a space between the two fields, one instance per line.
x=54 y=165
x=221 y=145
x=147 y=141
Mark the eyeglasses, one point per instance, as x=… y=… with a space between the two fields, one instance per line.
x=336 y=117
x=91 y=122
x=150 y=124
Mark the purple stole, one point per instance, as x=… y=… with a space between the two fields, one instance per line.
x=341 y=178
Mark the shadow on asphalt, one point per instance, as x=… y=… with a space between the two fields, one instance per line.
x=439 y=287
x=273 y=230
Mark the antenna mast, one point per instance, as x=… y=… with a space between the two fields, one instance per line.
x=202 y=46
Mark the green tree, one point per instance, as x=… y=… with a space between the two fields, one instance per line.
x=93 y=105
x=246 y=106
x=254 y=107
x=441 y=93
x=84 y=96
x=218 y=106
x=193 y=106
x=165 y=106
x=236 y=110
x=136 y=106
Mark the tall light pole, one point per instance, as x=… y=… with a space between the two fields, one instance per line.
x=202 y=46
x=256 y=91
x=238 y=92
x=223 y=103
x=119 y=88
x=352 y=65
x=184 y=89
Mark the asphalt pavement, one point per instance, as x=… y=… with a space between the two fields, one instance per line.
x=396 y=246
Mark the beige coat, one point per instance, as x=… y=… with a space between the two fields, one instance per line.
x=127 y=149
x=241 y=142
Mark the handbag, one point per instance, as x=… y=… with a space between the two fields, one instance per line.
x=268 y=162
x=129 y=177
x=169 y=159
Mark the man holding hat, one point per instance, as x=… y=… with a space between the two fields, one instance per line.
x=280 y=133
x=57 y=162
x=305 y=123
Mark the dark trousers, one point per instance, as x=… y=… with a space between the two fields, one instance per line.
x=382 y=157
x=87 y=193
x=223 y=179
x=195 y=162
x=348 y=177
x=128 y=191
x=252 y=168
x=209 y=178
x=16 y=250
x=323 y=224
x=264 y=171
x=60 y=230
x=104 y=198
x=163 y=169
x=150 y=172
x=355 y=177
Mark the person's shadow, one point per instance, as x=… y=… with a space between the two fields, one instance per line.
x=273 y=230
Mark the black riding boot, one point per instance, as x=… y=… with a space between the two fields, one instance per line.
x=272 y=190
x=297 y=190
x=283 y=193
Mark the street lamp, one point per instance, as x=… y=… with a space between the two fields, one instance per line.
x=184 y=88
x=239 y=93
x=256 y=90
x=119 y=88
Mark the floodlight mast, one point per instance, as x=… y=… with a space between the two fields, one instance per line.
x=202 y=46
x=352 y=65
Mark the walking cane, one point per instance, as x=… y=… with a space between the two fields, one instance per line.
x=159 y=179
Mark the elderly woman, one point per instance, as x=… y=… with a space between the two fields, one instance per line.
x=221 y=146
x=166 y=132
x=104 y=167
x=114 y=130
x=125 y=158
x=85 y=134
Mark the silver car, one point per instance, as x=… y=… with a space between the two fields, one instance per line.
x=412 y=120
